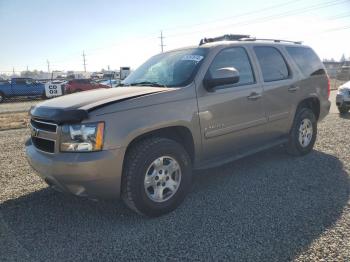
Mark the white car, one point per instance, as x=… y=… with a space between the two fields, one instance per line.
x=111 y=83
x=343 y=98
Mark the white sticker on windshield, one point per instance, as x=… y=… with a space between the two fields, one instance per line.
x=196 y=58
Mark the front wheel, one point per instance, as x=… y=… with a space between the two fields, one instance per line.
x=343 y=109
x=302 y=135
x=156 y=177
x=2 y=97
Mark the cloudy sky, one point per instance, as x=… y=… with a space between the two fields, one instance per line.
x=125 y=33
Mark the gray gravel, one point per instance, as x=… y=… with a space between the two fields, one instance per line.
x=267 y=207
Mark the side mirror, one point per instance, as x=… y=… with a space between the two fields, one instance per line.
x=222 y=76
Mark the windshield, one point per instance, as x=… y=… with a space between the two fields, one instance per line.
x=171 y=69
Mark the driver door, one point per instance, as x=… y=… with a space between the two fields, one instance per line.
x=232 y=117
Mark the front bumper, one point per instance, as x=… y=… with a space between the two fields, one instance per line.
x=95 y=175
x=342 y=99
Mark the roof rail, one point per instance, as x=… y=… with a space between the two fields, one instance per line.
x=271 y=40
x=223 y=38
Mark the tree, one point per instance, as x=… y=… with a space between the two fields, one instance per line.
x=342 y=59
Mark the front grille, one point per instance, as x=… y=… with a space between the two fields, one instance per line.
x=44 y=135
x=45 y=126
x=44 y=144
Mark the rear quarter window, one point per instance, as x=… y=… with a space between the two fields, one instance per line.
x=306 y=60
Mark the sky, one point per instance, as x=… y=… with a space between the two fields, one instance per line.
x=125 y=33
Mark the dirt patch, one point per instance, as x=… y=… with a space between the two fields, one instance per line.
x=14 y=120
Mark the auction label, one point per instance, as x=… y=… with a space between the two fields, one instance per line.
x=52 y=90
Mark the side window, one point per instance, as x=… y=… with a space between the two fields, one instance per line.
x=272 y=63
x=20 y=81
x=235 y=57
x=306 y=60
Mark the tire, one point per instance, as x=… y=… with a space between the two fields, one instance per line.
x=343 y=109
x=299 y=142
x=139 y=162
x=2 y=97
x=43 y=96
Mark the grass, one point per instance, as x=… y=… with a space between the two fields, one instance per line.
x=14 y=120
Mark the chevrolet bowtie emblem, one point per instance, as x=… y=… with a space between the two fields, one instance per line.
x=34 y=131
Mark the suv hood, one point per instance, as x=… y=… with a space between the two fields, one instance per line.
x=75 y=107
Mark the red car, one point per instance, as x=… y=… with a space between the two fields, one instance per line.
x=78 y=85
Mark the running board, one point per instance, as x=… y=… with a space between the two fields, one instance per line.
x=230 y=158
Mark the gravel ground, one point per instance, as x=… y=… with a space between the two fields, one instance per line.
x=15 y=106
x=267 y=207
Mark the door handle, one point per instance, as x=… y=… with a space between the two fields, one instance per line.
x=293 y=88
x=254 y=96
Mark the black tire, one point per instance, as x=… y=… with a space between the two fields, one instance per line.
x=294 y=146
x=343 y=109
x=43 y=96
x=139 y=157
x=2 y=97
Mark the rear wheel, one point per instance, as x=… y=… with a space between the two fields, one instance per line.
x=343 y=109
x=156 y=176
x=303 y=134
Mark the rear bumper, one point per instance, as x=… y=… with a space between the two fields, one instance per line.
x=93 y=175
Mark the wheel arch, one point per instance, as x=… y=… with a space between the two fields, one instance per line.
x=312 y=103
x=178 y=133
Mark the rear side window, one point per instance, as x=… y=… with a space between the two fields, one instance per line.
x=20 y=81
x=306 y=60
x=235 y=57
x=272 y=63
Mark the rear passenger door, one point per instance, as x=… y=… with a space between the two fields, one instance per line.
x=280 y=90
x=231 y=116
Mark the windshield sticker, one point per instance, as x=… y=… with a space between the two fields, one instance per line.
x=196 y=58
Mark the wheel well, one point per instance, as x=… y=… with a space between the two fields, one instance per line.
x=313 y=104
x=180 y=134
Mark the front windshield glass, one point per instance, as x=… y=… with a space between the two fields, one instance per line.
x=171 y=69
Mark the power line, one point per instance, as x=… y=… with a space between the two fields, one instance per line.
x=237 y=16
x=271 y=17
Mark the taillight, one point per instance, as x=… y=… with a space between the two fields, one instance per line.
x=329 y=86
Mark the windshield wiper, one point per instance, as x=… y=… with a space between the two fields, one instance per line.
x=147 y=83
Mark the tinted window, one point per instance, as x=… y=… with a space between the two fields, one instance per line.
x=307 y=61
x=20 y=81
x=234 y=57
x=272 y=64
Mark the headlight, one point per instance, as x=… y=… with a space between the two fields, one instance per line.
x=82 y=137
x=342 y=91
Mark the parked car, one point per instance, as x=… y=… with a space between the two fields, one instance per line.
x=343 y=98
x=25 y=87
x=78 y=85
x=186 y=109
x=111 y=82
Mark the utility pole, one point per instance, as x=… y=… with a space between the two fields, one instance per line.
x=48 y=66
x=84 y=61
x=13 y=70
x=27 y=69
x=161 y=41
